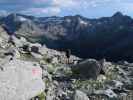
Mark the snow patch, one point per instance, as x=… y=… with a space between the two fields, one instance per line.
x=82 y=22
x=22 y=18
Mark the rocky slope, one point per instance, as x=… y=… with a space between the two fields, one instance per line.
x=31 y=71
x=107 y=37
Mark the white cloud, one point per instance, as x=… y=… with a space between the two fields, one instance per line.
x=78 y=4
x=126 y=7
x=64 y=3
x=41 y=1
x=74 y=3
x=49 y=11
x=55 y=7
x=3 y=13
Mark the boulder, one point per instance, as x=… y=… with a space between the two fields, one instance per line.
x=35 y=47
x=20 y=80
x=89 y=69
x=12 y=51
x=55 y=60
x=43 y=50
x=25 y=48
x=36 y=55
x=4 y=37
x=79 y=95
x=108 y=92
x=105 y=66
x=19 y=42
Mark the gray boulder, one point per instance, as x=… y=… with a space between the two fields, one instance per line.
x=4 y=37
x=79 y=95
x=20 y=80
x=87 y=69
x=105 y=66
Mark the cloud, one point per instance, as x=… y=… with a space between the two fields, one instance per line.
x=57 y=7
x=22 y=1
x=49 y=11
x=64 y=3
x=40 y=1
x=79 y=5
x=127 y=7
x=3 y=13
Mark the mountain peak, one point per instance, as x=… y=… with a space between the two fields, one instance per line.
x=118 y=14
x=13 y=14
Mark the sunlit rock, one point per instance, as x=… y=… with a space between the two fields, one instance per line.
x=20 y=80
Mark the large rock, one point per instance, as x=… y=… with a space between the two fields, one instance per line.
x=20 y=80
x=4 y=37
x=87 y=69
x=105 y=65
x=35 y=47
x=79 y=95
x=19 y=42
x=107 y=92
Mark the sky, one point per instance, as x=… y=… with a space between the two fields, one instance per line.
x=87 y=8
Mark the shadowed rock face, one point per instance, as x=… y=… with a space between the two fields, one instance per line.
x=87 y=69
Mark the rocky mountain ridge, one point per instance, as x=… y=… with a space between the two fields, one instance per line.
x=107 y=37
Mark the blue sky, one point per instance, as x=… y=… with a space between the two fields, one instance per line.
x=87 y=8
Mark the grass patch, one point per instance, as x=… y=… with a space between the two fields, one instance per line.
x=42 y=96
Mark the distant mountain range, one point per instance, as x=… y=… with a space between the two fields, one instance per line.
x=107 y=37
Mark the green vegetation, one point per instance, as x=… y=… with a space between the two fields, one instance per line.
x=96 y=84
x=85 y=83
x=27 y=57
x=68 y=72
x=42 y=96
x=51 y=69
x=75 y=71
x=112 y=74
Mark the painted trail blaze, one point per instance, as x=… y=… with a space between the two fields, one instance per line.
x=36 y=71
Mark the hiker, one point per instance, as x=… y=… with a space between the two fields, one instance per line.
x=68 y=54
